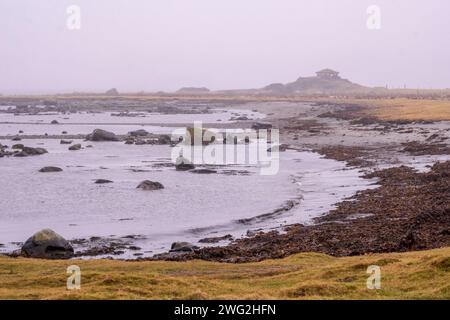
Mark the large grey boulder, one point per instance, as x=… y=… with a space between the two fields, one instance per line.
x=47 y=244
x=182 y=247
x=101 y=135
x=150 y=185
x=75 y=147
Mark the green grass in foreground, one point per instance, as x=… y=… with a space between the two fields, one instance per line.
x=421 y=275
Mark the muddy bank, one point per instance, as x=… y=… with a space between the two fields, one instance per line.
x=354 y=156
x=409 y=211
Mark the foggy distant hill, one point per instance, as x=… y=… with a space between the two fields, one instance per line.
x=326 y=81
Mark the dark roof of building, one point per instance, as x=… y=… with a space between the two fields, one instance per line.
x=327 y=71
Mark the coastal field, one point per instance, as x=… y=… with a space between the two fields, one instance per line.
x=412 y=275
x=405 y=109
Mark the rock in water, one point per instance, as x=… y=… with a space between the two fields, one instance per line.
x=34 y=151
x=75 y=147
x=183 y=164
x=47 y=244
x=28 y=151
x=164 y=139
x=102 y=135
x=278 y=148
x=17 y=146
x=261 y=126
x=138 y=133
x=54 y=122
x=50 y=169
x=102 y=181
x=66 y=142
x=203 y=171
x=182 y=247
x=150 y=185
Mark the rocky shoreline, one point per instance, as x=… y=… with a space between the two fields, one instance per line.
x=410 y=210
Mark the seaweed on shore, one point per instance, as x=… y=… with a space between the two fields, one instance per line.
x=408 y=211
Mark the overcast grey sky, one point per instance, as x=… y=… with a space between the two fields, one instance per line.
x=156 y=45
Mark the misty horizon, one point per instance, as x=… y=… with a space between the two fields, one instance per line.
x=165 y=45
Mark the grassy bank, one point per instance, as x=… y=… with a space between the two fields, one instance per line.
x=406 y=109
x=422 y=275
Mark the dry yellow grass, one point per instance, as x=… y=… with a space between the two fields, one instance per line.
x=421 y=275
x=406 y=109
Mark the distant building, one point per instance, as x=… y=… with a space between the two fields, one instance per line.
x=112 y=92
x=194 y=90
x=327 y=74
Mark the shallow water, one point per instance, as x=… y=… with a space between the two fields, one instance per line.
x=85 y=122
x=190 y=207
x=70 y=203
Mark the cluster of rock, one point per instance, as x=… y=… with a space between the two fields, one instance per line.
x=278 y=148
x=47 y=244
x=3 y=150
x=238 y=117
x=19 y=150
x=141 y=137
x=138 y=137
x=101 y=135
x=128 y=114
x=261 y=126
